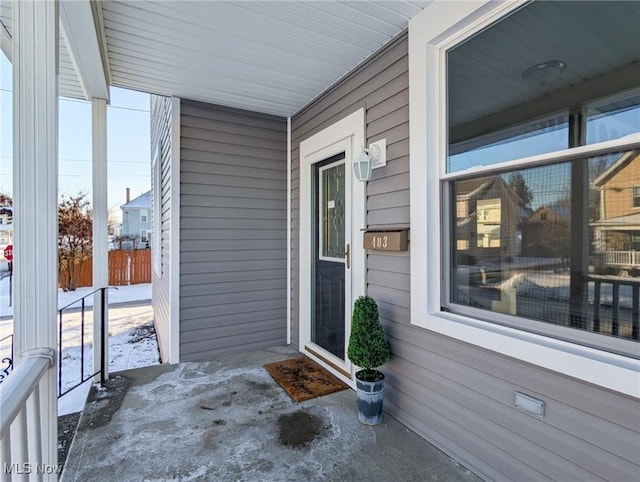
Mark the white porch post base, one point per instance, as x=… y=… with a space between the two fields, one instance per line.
x=35 y=190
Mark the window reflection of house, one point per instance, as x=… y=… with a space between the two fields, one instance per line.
x=617 y=231
x=546 y=233
x=489 y=217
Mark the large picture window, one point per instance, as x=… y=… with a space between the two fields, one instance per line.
x=540 y=181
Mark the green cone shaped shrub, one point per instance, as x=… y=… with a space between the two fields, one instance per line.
x=368 y=347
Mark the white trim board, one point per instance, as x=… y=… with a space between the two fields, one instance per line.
x=347 y=135
x=174 y=234
x=431 y=33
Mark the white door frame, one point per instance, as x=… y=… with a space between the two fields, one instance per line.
x=348 y=136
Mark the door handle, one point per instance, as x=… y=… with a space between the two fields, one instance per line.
x=347 y=256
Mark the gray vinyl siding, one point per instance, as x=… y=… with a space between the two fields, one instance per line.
x=457 y=395
x=161 y=118
x=233 y=231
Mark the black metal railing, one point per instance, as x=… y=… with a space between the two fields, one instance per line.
x=607 y=313
x=6 y=364
x=103 y=341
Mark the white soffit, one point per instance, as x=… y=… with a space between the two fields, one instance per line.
x=271 y=57
x=69 y=83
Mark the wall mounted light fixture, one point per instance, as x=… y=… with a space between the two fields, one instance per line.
x=368 y=159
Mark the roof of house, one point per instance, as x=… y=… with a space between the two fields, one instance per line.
x=624 y=159
x=141 y=202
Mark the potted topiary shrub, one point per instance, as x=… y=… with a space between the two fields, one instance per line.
x=368 y=349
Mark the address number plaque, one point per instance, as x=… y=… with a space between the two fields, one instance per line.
x=396 y=240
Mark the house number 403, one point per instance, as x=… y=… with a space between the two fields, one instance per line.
x=378 y=242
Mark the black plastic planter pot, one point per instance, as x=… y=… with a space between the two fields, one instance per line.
x=370 y=398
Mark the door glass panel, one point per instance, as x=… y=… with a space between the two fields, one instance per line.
x=332 y=212
x=328 y=312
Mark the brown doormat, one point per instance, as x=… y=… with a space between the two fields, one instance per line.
x=303 y=379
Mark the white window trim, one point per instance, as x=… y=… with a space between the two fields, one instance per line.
x=144 y=213
x=144 y=238
x=431 y=33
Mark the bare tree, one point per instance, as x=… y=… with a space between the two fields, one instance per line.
x=75 y=222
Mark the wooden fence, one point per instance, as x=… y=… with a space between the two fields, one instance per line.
x=126 y=267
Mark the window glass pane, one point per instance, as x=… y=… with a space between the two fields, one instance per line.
x=556 y=243
x=332 y=211
x=542 y=138
x=510 y=87
x=613 y=119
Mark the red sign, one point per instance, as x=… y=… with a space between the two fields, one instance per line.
x=8 y=252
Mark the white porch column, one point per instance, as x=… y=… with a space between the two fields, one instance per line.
x=100 y=227
x=35 y=190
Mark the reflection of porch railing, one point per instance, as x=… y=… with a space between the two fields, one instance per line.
x=614 y=313
x=622 y=258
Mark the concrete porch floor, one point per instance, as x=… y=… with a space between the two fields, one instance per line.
x=228 y=420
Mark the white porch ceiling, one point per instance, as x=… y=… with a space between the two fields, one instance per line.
x=271 y=57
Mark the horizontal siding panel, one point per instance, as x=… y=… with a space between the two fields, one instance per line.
x=201 y=110
x=214 y=300
x=399 y=132
x=214 y=180
x=210 y=256
x=217 y=287
x=186 y=313
x=217 y=169
x=214 y=235
x=236 y=329
x=231 y=159
x=215 y=201
x=233 y=245
x=232 y=128
x=207 y=353
x=372 y=92
x=393 y=103
x=229 y=277
x=388 y=200
x=482 y=390
x=224 y=223
x=398 y=182
x=240 y=214
x=233 y=231
x=223 y=148
x=232 y=191
x=388 y=216
x=401 y=281
x=388 y=125
x=230 y=266
x=620 y=411
x=208 y=322
x=194 y=133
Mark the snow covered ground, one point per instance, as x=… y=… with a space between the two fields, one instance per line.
x=120 y=294
x=132 y=339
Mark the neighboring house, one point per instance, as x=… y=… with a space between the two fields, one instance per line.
x=547 y=233
x=6 y=225
x=258 y=217
x=136 y=220
x=617 y=231
x=488 y=220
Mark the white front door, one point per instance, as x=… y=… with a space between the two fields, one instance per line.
x=332 y=257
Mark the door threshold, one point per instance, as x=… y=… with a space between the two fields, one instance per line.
x=339 y=369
